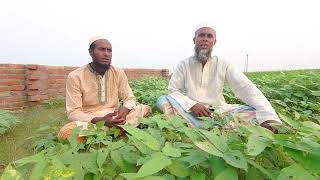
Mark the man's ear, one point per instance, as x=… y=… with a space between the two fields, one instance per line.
x=90 y=52
x=194 y=40
x=215 y=41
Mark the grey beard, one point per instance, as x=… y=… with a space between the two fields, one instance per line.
x=202 y=55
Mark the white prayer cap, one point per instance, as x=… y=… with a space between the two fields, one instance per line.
x=202 y=25
x=97 y=37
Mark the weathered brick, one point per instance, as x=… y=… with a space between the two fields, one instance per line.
x=16 y=71
x=4 y=88
x=14 y=82
x=5 y=94
x=34 y=86
x=57 y=77
x=17 y=87
x=34 y=76
x=44 y=97
x=34 y=98
x=10 y=76
x=60 y=81
x=33 y=92
x=32 y=66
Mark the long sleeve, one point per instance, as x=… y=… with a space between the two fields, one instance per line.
x=176 y=88
x=74 y=101
x=125 y=92
x=245 y=90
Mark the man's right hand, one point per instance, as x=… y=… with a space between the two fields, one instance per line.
x=109 y=120
x=200 y=110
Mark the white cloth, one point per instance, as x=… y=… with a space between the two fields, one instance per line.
x=191 y=84
x=97 y=37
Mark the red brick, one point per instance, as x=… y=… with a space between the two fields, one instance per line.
x=16 y=76
x=16 y=71
x=17 y=87
x=34 y=86
x=5 y=94
x=61 y=81
x=14 y=82
x=17 y=66
x=56 y=77
x=3 y=88
x=44 y=97
x=33 y=92
x=34 y=98
x=34 y=76
x=3 y=71
x=32 y=66
x=3 y=83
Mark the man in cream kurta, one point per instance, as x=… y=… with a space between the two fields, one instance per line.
x=93 y=92
x=198 y=82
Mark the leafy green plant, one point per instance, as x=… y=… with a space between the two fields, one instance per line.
x=7 y=119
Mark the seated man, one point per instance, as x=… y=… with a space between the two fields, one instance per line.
x=198 y=81
x=93 y=92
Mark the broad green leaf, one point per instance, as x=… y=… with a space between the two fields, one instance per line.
x=218 y=165
x=258 y=130
x=31 y=159
x=260 y=168
x=116 y=157
x=294 y=172
x=154 y=165
x=143 y=136
x=198 y=176
x=228 y=174
x=38 y=169
x=102 y=155
x=194 y=157
x=139 y=145
x=235 y=158
x=10 y=174
x=171 y=151
x=130 y=176
x=315 y=93
x=178 y=168
x=204 y=145
x=216 y=140
x=311 y=125
x=117 y=145
x=308 y=161
x=255 y=145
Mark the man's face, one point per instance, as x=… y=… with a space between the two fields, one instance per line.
x=102 y=53
x=204 y=39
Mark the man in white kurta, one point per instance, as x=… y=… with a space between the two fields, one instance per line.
x=198 y=82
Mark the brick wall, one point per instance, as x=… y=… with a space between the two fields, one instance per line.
x=24 y=85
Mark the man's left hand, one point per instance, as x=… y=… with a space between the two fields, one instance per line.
x=122 y=113
x=267 y=125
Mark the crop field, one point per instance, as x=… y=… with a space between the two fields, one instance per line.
x=167 y=149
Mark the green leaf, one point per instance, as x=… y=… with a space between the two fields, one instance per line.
x=216 y=140
x=116 y=157
x=260 y=168
x=143 y=136
x=235 y=158
x=117 y=145
x=194 y=157
x=154 y=165
x=10 y=174
x=140 y=146
x=38 y=169
x=228 y=174
x=170 y=151
x=102 y=155
x=295 y=172
x=308 y=161
x=198 y=176
x=217 y=165
x=315 y=93
x=202 y=144
x=178 y=168
x=256 y=145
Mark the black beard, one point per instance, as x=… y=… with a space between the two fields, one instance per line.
x=102 y=66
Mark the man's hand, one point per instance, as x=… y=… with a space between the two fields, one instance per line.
x=200 y=110
x=122 y=113
x=109 y=120
x=267 y=125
